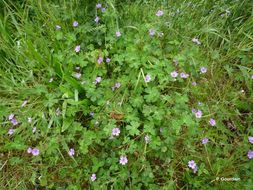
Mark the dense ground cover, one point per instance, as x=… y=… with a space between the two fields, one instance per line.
x=126 y=94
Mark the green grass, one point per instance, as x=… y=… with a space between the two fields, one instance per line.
x=32 y=51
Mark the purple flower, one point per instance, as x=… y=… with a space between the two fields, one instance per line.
x=192 y=164
x=75 y=23
x=184 y=75
x=11 y=116
x=77 y=48
x=118 y=34
x=203 y=70
x=159 y=13
x=14 y=121
x=205 y=140
x=174 y=74
x=252 y=77
x=108 y=60
x=250 y=140
x=92 y=113
x=147 y=139
x=77 y=75
x=93 y=177
x=30 y=120
x=29 y=150
x=147 y=78
x=98 y=80
x=115 y=131
x=194 y=110
x=117 y=85
x=250 y=154
x=99 y=5
x=123 y=160
x=195 y=169
x=71 y=152
x=58 y=27
x=212 y=122
x=97 y=19
x=194 y=83
x=198 y=114
x=11 y=131
x=100 y=60
x=196 y=41
x=151 y=32
x=35 y=152
x=103 y=10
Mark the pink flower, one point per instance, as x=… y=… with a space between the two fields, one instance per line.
x=250 y=140
x=29 y=150
x=93 y=177
x=192 y=164
x=98 y=80
x=117 y=85
x=151 y=32
x=118 y=34
x=174 y=74
x=184 y=75
x=71 y=152
x=148 y=78
x=97 y=19
x=11 y=131
x=212 y=122
x=77 y=48
x=75 y=23
x=100 y=60
x=198 y=114
x=250 y=154
x=35 y=152
x=14 y=121
x=205 y=140
x=115 y=131
x=11 y=116
x=108 y=60
x=99 y=5
x=159 y=13
x=196 y=41
x=77 y=75
x=203 y=70
x=123 y=160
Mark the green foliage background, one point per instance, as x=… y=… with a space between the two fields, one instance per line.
x=32 y=51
